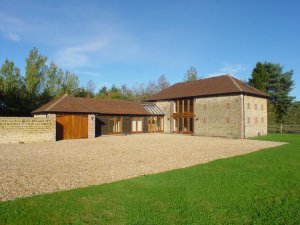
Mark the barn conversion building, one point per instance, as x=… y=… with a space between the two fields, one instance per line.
x=218 y=106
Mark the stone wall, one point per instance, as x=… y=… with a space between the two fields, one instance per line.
x=220 y=116
x=166 y=107
x=256 y=116
x=27 y=129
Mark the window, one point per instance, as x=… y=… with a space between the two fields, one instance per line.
x=249 y=120
x=204 y=107
x=180 y=107
x=255 y=119
x=255 y=106
x=248 y=105
x=184 y=106
x=183 y=115
x=137 y=124
x=115 y=125
x=262 y=107
x=204 y=120
x=191 y=125
x=155 y=124
x=185 y=103
x=185 y=125
x=227 y=119
x=228 y=106
x=262 y=120
x=191 y=105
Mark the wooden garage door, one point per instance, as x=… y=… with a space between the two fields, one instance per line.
x=71 y=126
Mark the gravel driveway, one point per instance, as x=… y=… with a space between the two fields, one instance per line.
x=35 y=168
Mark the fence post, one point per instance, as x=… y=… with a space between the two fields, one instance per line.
x=281 y=128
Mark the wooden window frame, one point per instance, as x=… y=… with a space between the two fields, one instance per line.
x=157 y=129
x=137 y=118
x=185 y=113
x=115 y=120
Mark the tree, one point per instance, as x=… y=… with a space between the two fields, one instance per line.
x=191 y=74
x=271 y=78
x=11 y=89
x=36 y=70
x=70 y=84
x=114 y=93
x=90 y=89
x=162 y=82
x=293 y=115
x=35 y=75
x=102 y=93
x=260 y=77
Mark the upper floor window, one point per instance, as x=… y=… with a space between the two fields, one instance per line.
x=255 y=106
x=184 y=106
x=248 y=105
x=262 y=107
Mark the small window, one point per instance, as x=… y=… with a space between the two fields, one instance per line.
x=249 y=120
x=262 y=107
x=255 y=106
x=204 y=107
x=204 y=120
x=248 y=105
x=262 y=120
x=228 y=106
x=255 y=119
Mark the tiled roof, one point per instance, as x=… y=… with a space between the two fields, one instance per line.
x=67 y=104
x=220 y=85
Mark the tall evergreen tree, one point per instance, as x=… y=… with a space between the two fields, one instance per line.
x=271 y=78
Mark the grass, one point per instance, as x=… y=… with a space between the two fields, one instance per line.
x=258 y=188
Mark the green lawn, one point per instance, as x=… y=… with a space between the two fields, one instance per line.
x=258 y=188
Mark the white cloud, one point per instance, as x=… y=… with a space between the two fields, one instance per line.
x=108 y=46
x=232 y=69
x=10 y=27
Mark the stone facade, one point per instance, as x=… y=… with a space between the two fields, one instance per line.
x=236 y=116
x=219 y=116
x=91 y=126
x=27 y=129
x=256 y=116
x=166 y=107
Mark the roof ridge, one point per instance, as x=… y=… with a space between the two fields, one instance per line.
x=56 y=102
x=235 y=83
x=74 y=99
x=200 y=79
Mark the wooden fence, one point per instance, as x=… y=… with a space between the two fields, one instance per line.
x=283 y=128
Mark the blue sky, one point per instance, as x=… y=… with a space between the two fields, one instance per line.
x=116 y=42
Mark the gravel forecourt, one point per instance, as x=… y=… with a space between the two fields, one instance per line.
x=36 y=168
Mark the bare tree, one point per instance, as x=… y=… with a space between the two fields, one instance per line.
x=90 y=89
x=191 y=74
x=162 y=83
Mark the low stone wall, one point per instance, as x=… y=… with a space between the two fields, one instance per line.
x=27 y=129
